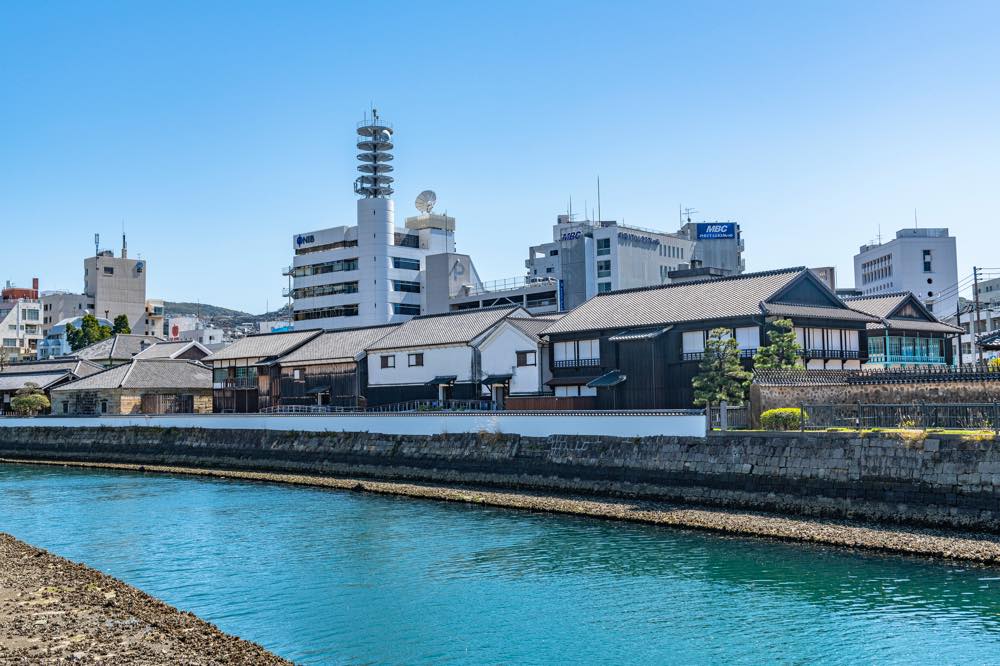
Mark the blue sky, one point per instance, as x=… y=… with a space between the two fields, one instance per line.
x=217 y=130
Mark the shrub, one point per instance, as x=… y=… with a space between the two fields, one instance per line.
x=30 y=405
x=783 y=418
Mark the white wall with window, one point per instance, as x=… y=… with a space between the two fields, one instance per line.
x=574 y=391
x=509 y=350
x=435 y=362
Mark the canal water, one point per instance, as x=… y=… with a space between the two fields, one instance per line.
x=335 y=577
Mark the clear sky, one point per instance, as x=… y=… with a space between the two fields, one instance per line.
x=217 y=130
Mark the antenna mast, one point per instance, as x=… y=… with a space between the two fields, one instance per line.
x=375 y=144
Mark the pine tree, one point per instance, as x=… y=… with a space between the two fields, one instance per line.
x=783 y=350
x=720 y=376
x=121 y=325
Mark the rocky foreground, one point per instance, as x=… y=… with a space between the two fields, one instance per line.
x=54 y=611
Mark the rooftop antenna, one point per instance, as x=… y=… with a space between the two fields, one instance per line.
x=687 y=212
x=915 y=225
x=124 y=244
x=878 y=234
x=375 y=146
x=598 y=198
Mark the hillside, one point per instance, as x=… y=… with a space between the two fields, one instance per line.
x=173 y=309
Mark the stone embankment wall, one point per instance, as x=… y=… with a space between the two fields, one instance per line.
x=939 y=481
x=764 y=397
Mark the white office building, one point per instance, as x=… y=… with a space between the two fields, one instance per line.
x=988 y=321
x=370 y=273
x=922 y=261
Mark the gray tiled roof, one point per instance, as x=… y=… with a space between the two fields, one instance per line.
x=532 y=326
x=79 y=367
x=343 y=345
x=883 y=305
x=121 y=347
x=166 y=349
x=445 y=329
x=816 y=312
x=705 y=300
x=263 y=346
x=13 y=382
x=147 y=374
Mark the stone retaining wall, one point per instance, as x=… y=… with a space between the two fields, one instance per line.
x=940 y=481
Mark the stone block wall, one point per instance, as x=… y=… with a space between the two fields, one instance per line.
x=940 y=481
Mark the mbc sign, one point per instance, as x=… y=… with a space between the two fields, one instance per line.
x=716 y=230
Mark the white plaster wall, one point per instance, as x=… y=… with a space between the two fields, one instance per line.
x=498 y=356
x=438 y=361
x=680 y=423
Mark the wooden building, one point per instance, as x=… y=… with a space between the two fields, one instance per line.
x=907 y=333
x=46 y=375
x=640 y=348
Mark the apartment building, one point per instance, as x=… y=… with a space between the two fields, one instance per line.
x=20 y=322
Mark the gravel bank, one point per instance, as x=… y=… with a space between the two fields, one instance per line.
x=54 y=611
x=971 y=547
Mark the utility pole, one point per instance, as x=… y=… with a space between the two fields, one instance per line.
x=975 y=295
x=958 y=322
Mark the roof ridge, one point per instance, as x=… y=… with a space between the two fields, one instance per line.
x=466 y=312
x=727 y=278
x=870 y=297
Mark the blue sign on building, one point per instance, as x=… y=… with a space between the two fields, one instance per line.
x=716 y=230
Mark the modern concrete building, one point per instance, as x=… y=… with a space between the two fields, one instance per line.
x=370 y=273
x=20 y=322
x=974 y=328
x=112 y=286
x=922 y=261
x=452 y=284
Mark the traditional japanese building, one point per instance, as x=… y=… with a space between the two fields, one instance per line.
x=906 y=334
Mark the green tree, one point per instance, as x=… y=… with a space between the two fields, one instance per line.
x=90 y=331
x=994 y=364
x=121 y=325
x=782 y=350
x=720 y=376
x=30 y=400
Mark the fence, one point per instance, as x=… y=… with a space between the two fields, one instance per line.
x=437 y=406
x=737 y=418
x=860 y=416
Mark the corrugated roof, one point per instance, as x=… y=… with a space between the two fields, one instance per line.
x=13 y=382
x=446 y=329
x=343 y=345
x=79 y=367
x=736 y=296
x=532 y=326
x=264 y=345
x=157 y=373
x=121 y=347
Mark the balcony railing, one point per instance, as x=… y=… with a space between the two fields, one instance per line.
x=578 y=363
x=831 y=353
x=907 y=359
x=238 y=383
x=697 y=356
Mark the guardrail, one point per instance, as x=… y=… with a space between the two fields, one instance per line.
x=919 y=416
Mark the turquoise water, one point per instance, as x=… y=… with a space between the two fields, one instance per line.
x=335 y=577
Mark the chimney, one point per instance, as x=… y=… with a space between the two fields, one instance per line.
x=34 y=287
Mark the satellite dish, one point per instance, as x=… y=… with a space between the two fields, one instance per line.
x=425 y=201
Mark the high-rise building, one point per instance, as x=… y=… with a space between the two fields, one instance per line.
x=922 y=261
x=370 y=273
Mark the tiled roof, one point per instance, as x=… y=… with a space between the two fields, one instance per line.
x=991 y=338
x=722 y=298
x=635 y=334
x=883 y=305
x=263 y=346
x=13 y=382
x=802 y=377
x=445 y=329
x=816 y=312
x=166 y=349
x=343 y=345
x=121 y=347
x=147 y=374
x=79 y=367
x=533 y=326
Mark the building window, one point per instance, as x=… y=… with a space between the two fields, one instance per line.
x=405 y=309
x=104 y=406
x=415 y=360
x=65 y=407
x=553 y=253
x=407 y=286
x=327 y=246
x=927 y=261
x=525 y=358
x=406 y=264
x=603 y=287
x=575 y=391
x=604 y=268
x=31 y=315
x=326 y=267
x=109 y=270
x=326 y=290
x=350 y=310
x=550 y=269
x=388 y=361
x=603 y=246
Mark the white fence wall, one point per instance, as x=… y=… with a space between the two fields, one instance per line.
x=614 y=424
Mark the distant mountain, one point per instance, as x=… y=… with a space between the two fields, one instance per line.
x=201 y=309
